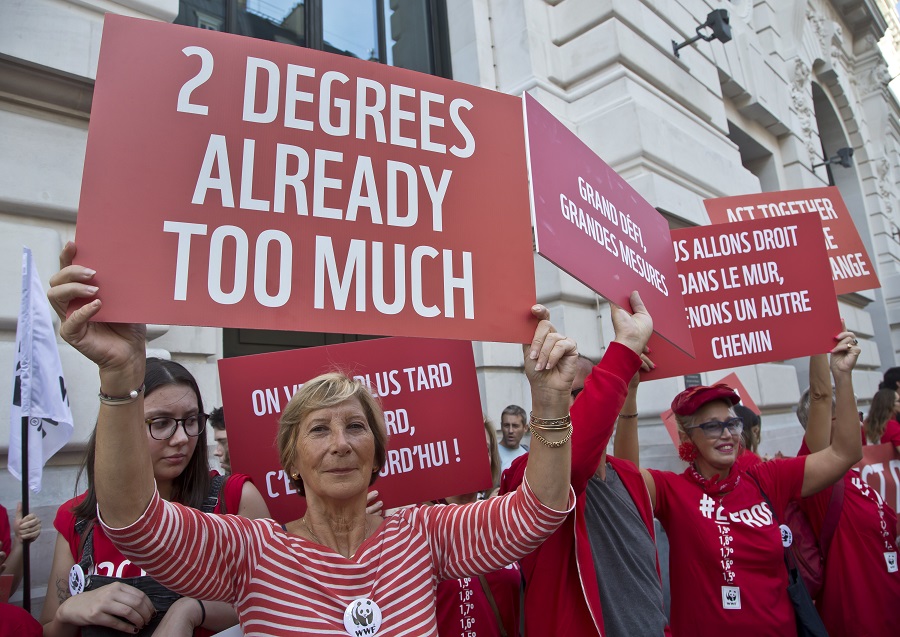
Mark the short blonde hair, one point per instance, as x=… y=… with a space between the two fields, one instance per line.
x=324 y=391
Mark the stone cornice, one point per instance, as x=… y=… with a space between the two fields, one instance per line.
x=862 y=17
x=37 y=86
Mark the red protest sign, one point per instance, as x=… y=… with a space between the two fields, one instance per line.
x=754 y=292
x=735 y=383
x=235 y=182
x=591 y=223
x=851 y=268
x=880 y=468
x=429 y=391
x=732 y=380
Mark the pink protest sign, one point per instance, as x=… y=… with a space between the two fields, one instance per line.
x=591 y=223
x=251 y=184
x=755 y=292
x=429 y=392
x=851 y=268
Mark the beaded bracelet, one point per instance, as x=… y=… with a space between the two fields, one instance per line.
x=628 y=415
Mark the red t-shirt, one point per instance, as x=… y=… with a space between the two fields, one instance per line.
x=860 y=592
x=891 y=433
x=746 y=459
x=726 y=563
x=5 y=537
x=108 y=561
x=463 y=610
x=17 y=622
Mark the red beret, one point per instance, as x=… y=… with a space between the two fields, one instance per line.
x=693 y=398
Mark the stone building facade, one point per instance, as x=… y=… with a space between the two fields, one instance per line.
x=800 y=79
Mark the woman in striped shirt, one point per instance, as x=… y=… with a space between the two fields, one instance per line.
x=337 y=570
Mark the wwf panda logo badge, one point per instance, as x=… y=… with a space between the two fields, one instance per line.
x=731 y=598
x=76 y=580
x=787 y=538
x=362 y=618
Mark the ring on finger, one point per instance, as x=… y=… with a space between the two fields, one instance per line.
x=854 y=342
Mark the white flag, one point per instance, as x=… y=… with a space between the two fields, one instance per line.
x=39 y=394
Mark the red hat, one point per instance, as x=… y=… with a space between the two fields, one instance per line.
x=693 y=398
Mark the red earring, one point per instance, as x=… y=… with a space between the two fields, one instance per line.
x=687 y=451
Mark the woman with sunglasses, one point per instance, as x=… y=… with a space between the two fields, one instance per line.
x=727 y=569
x=93 y=588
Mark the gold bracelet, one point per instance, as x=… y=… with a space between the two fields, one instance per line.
x=628 y=415
x=551 y=424
x=553 y=445
x=554 y=428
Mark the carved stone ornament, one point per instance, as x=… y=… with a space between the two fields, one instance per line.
x=801 y=101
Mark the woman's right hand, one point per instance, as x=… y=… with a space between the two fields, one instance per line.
x=633 y=330
x=28 y=528
x=112 y=346
x=845 y=353
x=115 y=605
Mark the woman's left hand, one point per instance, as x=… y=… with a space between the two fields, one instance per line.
x=550 y=358
x=374 y=506
x=845 y=353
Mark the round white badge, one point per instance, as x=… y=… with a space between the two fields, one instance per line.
x=787 y=538
x=362 y=618
x=76 y=580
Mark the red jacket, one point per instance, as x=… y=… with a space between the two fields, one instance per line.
x=562 y=596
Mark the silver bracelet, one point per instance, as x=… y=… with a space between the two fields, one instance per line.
x=121 y=400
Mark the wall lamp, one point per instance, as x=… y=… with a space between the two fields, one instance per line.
x=844 y=158
x=717 y=22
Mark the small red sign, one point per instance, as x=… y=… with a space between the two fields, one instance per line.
x=429 y=391
x=236 y=182
x=880 y=468
x=591 y=223
x=851 y=268
x=754 y=291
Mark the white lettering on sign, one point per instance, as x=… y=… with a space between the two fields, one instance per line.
x=310 y=181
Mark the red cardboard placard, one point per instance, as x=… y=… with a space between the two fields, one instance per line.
x=732 y=380
x=851 y=268
x=754 y=291
x=429 y=391
x=236 y=182
x=591 y=223
x=880 y=468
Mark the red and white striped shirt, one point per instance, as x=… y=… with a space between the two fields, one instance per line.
x=282 y=584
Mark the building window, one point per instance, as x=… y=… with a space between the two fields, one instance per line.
x=207 y=21
x=410 y=34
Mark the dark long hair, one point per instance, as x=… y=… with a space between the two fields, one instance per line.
x=192 y=486
x=880 y=411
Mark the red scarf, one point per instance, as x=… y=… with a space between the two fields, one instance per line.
x=715 y=485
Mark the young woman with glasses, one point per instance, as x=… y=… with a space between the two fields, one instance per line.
x=93 y=587
x=727 y=570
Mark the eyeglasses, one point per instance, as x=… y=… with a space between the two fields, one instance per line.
x=577 y=391
x=714 y=428
x=164 y=427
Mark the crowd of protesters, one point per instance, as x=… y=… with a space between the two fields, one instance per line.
x=563 y=543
